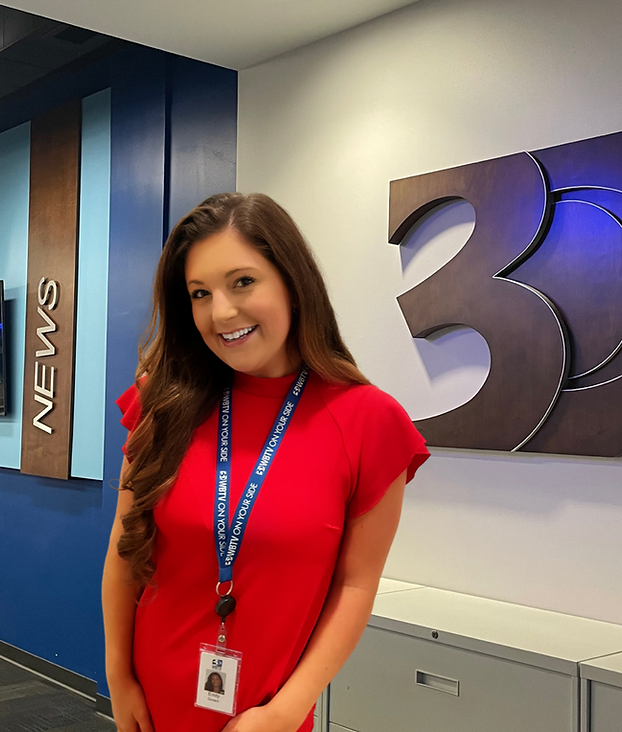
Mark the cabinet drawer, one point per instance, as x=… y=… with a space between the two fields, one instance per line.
x=404 y=684
x=605 y=708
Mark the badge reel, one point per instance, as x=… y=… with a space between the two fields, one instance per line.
x=219 y=668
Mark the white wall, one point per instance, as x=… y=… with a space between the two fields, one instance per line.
x=446 y=82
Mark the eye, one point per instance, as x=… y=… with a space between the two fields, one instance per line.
x=244 y=282
x=198 y=294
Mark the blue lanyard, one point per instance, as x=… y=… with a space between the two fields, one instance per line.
x=229 y=539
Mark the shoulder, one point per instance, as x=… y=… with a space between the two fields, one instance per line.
x=355 y=401
x=130 y=406
x=365 y=414
x=379 y=437
x=129 y=396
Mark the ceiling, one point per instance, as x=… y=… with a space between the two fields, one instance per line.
x=231 y=33
x=32 y=48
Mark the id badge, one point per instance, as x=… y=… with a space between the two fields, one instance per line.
x=219 y=678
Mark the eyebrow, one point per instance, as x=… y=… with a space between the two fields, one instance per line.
x=227 y=274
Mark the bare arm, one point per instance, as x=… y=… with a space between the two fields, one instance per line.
x=348 y=605
x=119 y=596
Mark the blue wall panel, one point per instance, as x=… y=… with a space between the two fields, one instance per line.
x=87 y=457
x=136 y=221
x=136 y=232
x=14 y=197
x=50 y=551
x=203 y=105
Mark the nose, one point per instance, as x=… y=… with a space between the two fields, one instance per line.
x=223 y=309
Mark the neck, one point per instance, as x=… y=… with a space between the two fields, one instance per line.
x=292 y=366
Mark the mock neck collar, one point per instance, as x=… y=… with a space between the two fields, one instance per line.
x=260 y=386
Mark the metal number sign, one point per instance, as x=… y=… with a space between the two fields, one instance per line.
x=541 y=280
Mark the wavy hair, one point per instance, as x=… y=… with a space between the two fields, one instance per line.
x=180 y=380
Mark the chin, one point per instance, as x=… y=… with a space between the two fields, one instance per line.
x=244 y=367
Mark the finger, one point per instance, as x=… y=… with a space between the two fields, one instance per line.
x=144 y=724
x=132 y=727
x=124 y=727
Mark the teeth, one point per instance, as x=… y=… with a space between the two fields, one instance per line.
x=237 y=334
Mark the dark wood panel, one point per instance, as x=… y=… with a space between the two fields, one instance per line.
x=584 y=422
x=512 y=209
x=539 y=279
x=50 y=304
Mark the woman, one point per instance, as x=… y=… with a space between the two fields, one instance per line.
x=214 y=683
x=244 y=355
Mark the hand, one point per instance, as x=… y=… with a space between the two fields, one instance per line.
x=262 y=719
x=129 y=707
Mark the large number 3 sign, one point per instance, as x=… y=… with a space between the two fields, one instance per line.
x=541 y=280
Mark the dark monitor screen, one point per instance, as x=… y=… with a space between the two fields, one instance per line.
x=3 y=409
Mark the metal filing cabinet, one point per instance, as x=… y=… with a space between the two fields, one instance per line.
x=601 y=688
x=433 y=661
x=320 y=715
x=317 y=723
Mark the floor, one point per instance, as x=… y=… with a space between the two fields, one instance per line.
x=30 y=703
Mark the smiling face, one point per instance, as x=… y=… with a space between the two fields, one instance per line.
x=240 y=305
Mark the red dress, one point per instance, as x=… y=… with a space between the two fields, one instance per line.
x=345 y=445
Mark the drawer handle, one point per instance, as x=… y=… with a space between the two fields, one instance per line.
x=438 y=683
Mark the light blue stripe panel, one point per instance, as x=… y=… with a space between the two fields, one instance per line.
x=14 y=203
x=87 y=458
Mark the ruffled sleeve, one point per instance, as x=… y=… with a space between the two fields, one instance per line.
x=386 y=444
x=129 y=404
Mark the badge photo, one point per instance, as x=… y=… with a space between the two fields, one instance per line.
x=217 y=683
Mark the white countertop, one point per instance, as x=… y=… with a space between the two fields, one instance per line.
x=515 y=632
x=391 y=585
x=607 y=670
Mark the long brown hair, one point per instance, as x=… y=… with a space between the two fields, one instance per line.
x=180 y=380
